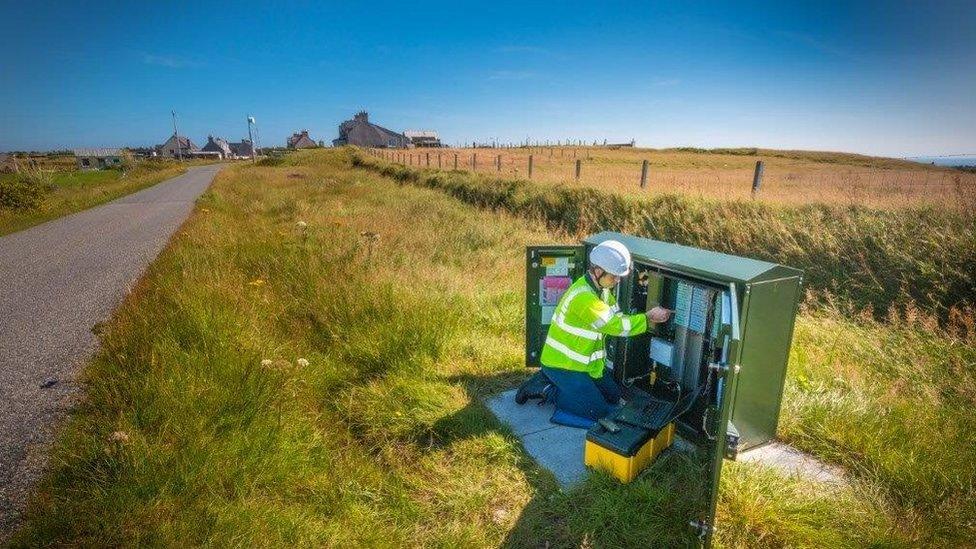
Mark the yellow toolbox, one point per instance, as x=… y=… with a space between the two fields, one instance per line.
x=626 y=452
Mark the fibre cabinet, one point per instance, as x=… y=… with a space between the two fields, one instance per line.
x=718 y=365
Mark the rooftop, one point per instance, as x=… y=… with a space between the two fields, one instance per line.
x=97 y=152
x=421 y=133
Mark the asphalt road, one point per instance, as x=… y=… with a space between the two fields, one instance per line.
x=57 y=280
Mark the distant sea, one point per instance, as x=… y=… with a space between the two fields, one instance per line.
x=946 y=160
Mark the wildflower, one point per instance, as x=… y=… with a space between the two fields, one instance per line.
x=302 y=225
x=266 y=363
x=119 y=436
x=498 y=516
x=256 y=282
x=302 y=362
x=371 y=238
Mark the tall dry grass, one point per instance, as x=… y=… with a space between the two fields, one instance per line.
x=791 y=177
x=873 y=258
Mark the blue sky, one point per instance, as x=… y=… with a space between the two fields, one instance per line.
x=886 y=78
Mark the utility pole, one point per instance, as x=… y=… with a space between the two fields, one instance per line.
x=176 y=132
x=250 y=137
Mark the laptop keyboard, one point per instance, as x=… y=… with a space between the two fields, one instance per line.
x=648 y=413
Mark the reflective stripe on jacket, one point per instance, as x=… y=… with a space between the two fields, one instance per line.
x=581 y=320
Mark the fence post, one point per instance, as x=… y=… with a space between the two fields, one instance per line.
x=757 y=178
x=498 y=162
x=474 y=161
x=438 y=161
x=530 y=166
x=455 y=161
x=644 y=174
x=428 y=159
x=578 y=168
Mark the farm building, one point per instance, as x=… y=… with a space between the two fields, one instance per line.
x=177 y=144
x=243 y=149
x=144 y=152
x=96 y=159
x=301 y=140
x=423 y=138
x=217 y=145
x=361 y=132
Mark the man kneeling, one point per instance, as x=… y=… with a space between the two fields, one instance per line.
x=574 y=357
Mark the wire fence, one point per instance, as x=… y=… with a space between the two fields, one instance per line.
x=897 y=184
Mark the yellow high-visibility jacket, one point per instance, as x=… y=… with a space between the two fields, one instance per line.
x=583 y=317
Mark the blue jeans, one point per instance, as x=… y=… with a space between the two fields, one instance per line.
x=582 y=395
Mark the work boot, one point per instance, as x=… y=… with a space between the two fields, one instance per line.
x=534 y=387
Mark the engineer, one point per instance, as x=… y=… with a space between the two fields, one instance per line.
x=574 y=357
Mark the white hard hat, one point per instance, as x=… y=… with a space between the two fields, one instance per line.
x=611 y=256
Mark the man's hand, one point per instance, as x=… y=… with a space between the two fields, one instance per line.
x=658 y=315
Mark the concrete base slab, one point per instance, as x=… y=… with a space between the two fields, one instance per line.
x=793 y=462
x=560 y=449
x=555 y=447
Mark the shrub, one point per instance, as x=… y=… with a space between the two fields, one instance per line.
x=127 y=161
x=24 y=191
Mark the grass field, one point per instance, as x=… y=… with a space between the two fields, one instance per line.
x=883 y=260
x=74 y=191
x=271 y=383
x=791 y=177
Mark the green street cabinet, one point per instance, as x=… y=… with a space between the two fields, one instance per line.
x=720 y=360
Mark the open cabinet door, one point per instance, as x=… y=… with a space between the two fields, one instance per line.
x=726 y=373
x=549 y=271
